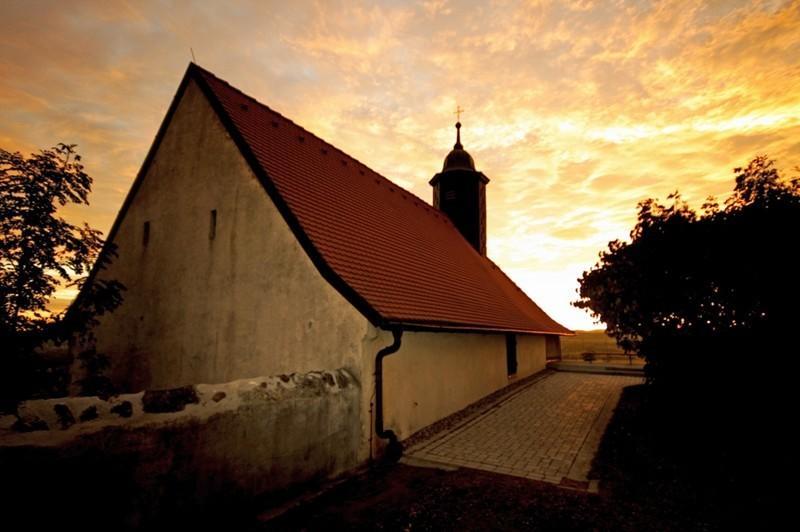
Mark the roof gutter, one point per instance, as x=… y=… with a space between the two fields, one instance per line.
x=423 y=327
x=394 y=449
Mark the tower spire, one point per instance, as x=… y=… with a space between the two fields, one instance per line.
x=458 y=112
x=459 y=191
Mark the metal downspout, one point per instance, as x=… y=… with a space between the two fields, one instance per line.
x=394 y=449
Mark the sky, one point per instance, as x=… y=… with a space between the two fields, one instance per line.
x=575 y=110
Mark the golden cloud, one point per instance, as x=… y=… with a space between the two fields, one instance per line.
x=575 y=110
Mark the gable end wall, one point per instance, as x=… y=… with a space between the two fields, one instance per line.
x=248 y=302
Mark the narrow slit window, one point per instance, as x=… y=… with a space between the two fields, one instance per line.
x=212 y=227
x=146 y=234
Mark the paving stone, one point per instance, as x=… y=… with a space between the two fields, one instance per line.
x=549 y=430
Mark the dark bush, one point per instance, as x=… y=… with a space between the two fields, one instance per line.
x=707 y=298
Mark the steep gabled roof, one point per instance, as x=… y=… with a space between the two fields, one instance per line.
x=398 y=260
x=393 y=256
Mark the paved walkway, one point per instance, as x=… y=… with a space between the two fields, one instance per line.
x=548 y=430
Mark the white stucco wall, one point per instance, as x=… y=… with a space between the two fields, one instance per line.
x=437 y=374
x=531 y=354
x=199 y=310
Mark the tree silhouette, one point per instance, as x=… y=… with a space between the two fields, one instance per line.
x=709 y=299
x=702 y=295
x=41 y=251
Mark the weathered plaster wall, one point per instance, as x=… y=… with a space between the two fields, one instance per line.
x=234 y=444
x=201 y=310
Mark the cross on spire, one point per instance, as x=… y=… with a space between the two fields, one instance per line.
x=458 y=112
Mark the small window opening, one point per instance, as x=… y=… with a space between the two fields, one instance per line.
x=511 y=354
x=450 y=195
x=212 y=228
x=146 y=234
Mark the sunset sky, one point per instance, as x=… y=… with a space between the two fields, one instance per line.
x=575 y=110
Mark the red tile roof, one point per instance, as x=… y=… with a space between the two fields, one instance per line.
x=396 y=258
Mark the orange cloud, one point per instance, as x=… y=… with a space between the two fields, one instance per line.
x=575 y=110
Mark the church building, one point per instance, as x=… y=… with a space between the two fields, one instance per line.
x=250 y=247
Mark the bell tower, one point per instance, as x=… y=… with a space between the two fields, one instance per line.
x=459 y=191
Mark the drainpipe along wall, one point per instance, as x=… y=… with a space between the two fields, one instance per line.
x=394 y=449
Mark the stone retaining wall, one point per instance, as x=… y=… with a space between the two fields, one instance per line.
x=192 y=454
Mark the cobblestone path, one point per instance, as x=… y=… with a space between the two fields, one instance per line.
x=549 y=430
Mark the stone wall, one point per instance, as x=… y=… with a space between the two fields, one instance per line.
x=192 y=454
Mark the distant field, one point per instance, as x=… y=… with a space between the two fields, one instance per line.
x=588 y=342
